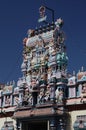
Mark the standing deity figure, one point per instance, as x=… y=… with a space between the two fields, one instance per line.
x=7 y=100
x=47 y=94
x=17 y=101
x=30 y=99
x=41 y=96
x=59 y=95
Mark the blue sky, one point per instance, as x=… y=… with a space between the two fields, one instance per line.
x=17 y=16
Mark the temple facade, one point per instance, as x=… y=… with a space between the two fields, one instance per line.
x=46 y=97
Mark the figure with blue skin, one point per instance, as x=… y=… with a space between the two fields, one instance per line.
x=64 y=58
x=61 y=59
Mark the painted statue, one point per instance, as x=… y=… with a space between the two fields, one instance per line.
x=59 y=95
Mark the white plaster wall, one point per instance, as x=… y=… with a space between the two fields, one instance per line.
x=2 y=120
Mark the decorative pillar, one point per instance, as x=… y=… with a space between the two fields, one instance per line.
x=48 y=125
x=18 y=125
x=53 y=124
x=52 y=92
x=4 y=97
x=52 y=84
x=11 y=97
x=62 y=124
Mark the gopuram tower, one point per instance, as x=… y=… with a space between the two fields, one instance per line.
x=43 y=85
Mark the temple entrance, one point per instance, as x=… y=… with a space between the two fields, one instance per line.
x=37 y=125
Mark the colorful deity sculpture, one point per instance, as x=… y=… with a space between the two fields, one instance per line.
x=41 y=96
x=59 y=95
